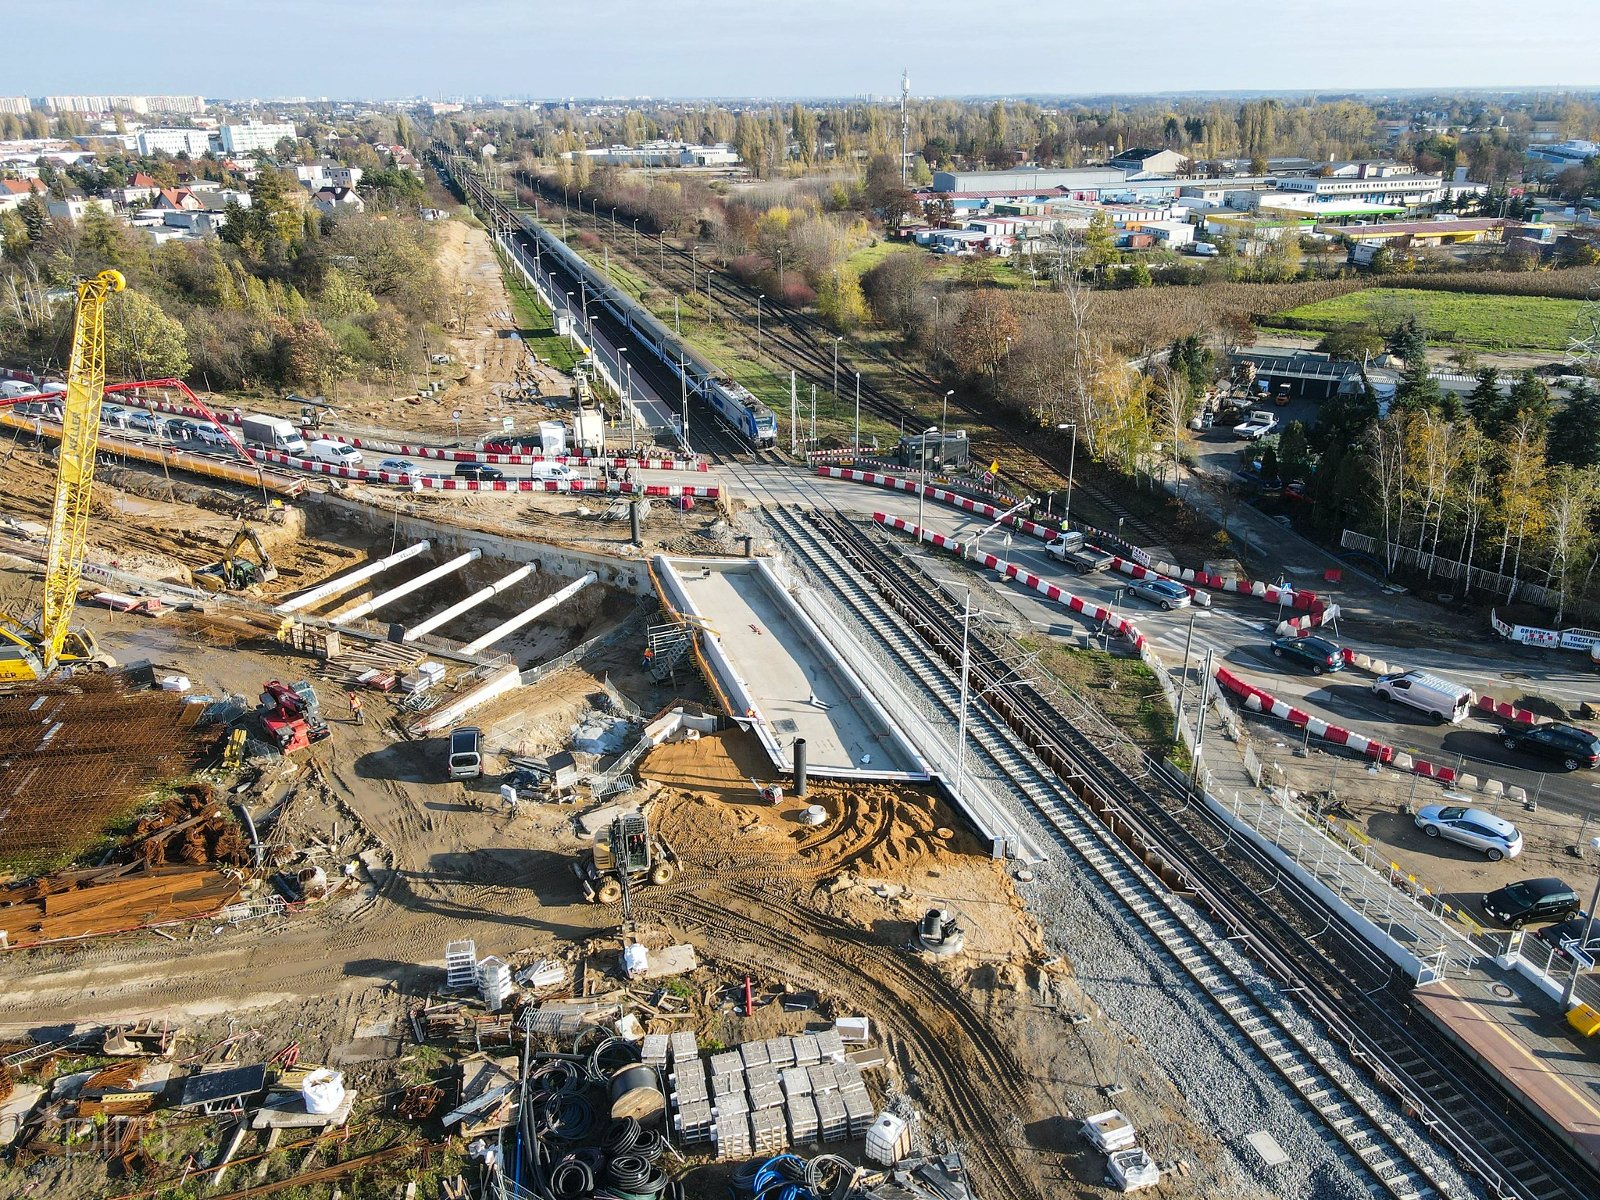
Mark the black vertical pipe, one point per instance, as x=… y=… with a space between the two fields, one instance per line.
x=800 y=767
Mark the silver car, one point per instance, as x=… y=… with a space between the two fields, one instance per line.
x=1495 y=836
x=1162 y=592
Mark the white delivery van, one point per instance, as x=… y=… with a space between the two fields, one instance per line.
x=324 y=450
x=466 y=752
x=1439 y=698
x=551 y=470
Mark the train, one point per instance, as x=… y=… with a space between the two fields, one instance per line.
x=733 y=403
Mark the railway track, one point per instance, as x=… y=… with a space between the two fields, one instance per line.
x=1345 y=987
x=801 y=342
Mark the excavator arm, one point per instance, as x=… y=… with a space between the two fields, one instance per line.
x=80 y=431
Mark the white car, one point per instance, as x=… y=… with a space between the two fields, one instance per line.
x=1161 y=592
x=397 y=466
x=1256 y=426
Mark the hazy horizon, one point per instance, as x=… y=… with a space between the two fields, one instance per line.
x=828 y=49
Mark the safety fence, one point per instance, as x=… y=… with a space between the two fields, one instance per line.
x=1506 y=586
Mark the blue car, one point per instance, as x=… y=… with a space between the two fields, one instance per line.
x=1317 y=653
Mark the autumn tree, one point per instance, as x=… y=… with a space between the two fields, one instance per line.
x=142 y=341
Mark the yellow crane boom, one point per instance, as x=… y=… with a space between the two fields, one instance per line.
x=80 y=430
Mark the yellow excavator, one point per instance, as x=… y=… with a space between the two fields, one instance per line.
x=235 y=573
x=26 y=651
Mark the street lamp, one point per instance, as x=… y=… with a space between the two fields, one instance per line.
x=613 y=214
x=759 y=299
x=944 y=415
x=836 y=342
x=636 y=235
x=1072 y=461
x=1583 y=942
x=622 y=391
x=857 y=442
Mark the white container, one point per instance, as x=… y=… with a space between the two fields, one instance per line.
x=323 y=1091
x=855 y=1030
x=175 y=683
x=889 y=1140
x=635 y=960
x=1134 y=1170
x=494 y=982
x=1109 y=1131
x=552 y=437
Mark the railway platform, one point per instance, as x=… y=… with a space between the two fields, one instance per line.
x=1517 y=1031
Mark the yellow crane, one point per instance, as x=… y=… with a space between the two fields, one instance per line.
x=36 y=653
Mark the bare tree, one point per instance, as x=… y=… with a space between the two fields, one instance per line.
x=1573 y=491
x=1386 y=446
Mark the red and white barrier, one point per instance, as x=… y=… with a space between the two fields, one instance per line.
x=1259 y=700
x=437 y=483
x=1488 y=705
x=1508 y=712
x=1010 y=570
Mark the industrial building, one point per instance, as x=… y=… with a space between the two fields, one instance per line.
x=661 y=154
x=1083 y=182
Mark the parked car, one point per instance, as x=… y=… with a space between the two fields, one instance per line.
x=1571 y=929
x=183 y=431
x=1495 y=836
x=1568 y=745
x=1318 y=653
x=1163 y=592
x=145 y=421
x=114 y=416
x=1527 y=900
x=479 y=471
x=212 y=435
x=397 y=466
x=466 y=752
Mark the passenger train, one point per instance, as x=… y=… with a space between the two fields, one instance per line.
x=734 y=404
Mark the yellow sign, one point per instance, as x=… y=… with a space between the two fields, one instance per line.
x=994 y=467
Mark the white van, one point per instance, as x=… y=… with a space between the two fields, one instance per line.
x=17 y=387
x=337 y=453
x=551 y=470
x=1439 y=698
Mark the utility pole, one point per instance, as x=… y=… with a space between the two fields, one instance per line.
x=813 y=416
x=683 y=396
x=1200 y=719
x=794 y=417
x=857 y=442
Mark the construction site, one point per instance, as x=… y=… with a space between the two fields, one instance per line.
x=634 y=829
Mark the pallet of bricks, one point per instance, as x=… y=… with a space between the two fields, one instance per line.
x=764 y=1096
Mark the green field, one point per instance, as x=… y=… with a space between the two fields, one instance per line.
x=1453 y=318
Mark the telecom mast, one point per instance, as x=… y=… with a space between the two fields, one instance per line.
x=905 y=124
x=1583 y=350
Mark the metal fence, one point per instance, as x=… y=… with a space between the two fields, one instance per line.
x=1449 y=568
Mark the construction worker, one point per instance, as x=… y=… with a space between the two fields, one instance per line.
x=356 y=713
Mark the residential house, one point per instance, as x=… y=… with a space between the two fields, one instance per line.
x=178 y=199
x=324 y=173
x=338 y=200
x=14 y=191
x=72 y=208
x=1150 y=162
x=141 y=190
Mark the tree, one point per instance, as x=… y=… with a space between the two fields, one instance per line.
x=142 y=341
x=1569 y=515
x=1294 y=451
x=1352 y=343
x=1575 y=429
x=1417 y=391
x=1520 y=492
x=898 y=291
x=984 y=334
x=1409 y=341
x=1139 y=276
x=1488 y=406
x=1099 y=242
x=840 y=302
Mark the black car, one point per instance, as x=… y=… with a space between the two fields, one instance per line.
x=1527 y=900
x=482 y=472
x=1572 y=928
x=1318 y=653
x=1568 y=745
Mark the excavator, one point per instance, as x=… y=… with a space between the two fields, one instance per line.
x=29 y=651
x=234 y=573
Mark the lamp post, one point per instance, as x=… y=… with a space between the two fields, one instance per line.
x=621 y=389
x=836 y=342
x=759 y=299
x=1072 y=462
x=1583 y=942
x=944 y=416
x=636 y=235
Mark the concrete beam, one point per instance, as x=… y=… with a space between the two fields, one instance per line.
x=528 y=616
x=344 y=583
x=406 y=588
x=472 y=601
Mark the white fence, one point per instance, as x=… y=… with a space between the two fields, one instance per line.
x=1448 y=568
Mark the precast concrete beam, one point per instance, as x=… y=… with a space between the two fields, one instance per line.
x=529 y=615
x=472 y=601
x=406 y=588
x=344 y=583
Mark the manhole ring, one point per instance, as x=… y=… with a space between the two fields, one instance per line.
x=1501 y=990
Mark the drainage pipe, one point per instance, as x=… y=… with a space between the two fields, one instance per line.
x=472 y=601
x=345 y=582
x=527 y=616
x=409 y=586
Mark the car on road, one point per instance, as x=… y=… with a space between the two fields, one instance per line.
x=1162 y=592
x=211 y=435
x=398 y=466
x=183 y=431
x=114 y=417
x=1568 y=745
x=482 y=472
x=144 y=421
x=1439 y=698
x=1572 y=929
x=1495 y=836
x=1256 y=426
x=1527 y=900
x=1317 y=653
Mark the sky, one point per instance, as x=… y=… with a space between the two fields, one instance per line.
x=824 y=48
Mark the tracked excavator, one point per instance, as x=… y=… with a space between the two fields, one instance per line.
x=235 y=573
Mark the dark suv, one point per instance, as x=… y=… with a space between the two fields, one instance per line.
x=1317 y=653
x=1527 y=900
x=480 y=471
x=1566 y=744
